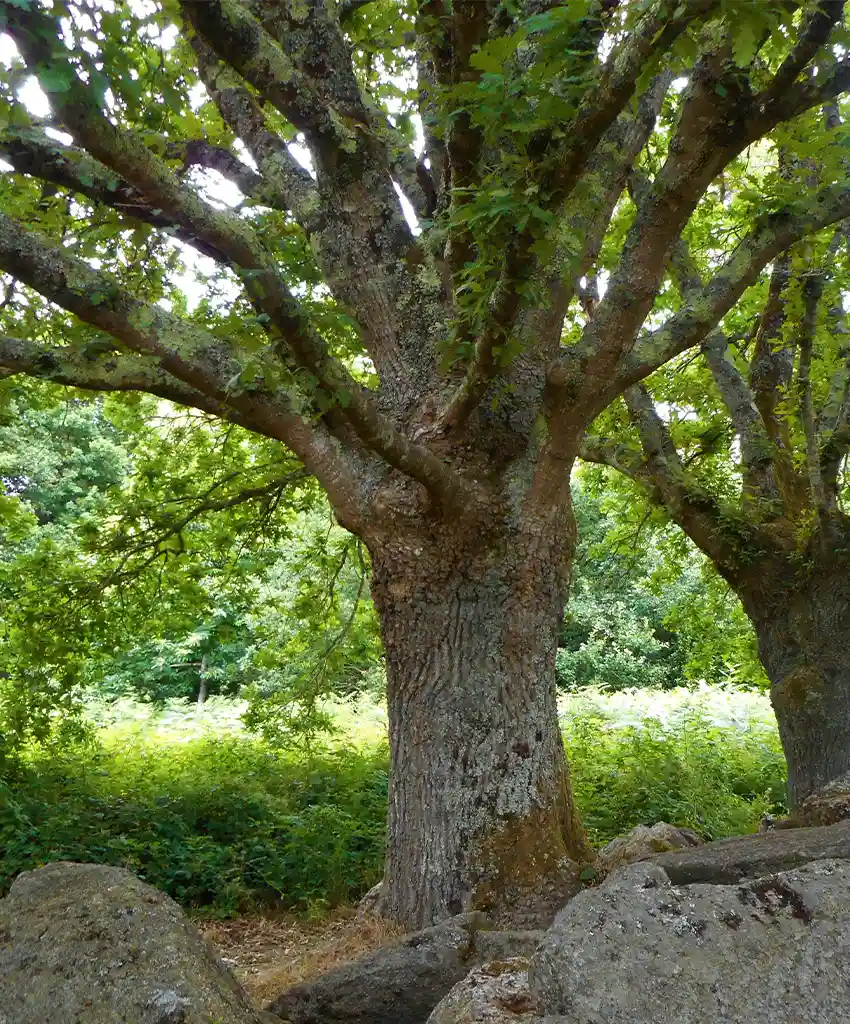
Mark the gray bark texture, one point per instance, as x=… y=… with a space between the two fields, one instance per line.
x=480 y=810
x=802 y=637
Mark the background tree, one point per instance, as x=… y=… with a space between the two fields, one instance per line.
x=749 y=462
x=646 y=608
x=436 y=380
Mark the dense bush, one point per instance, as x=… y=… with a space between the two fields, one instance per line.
x=222 y=821
x=715 y=778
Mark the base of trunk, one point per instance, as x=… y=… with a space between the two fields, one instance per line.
x=827 y=806
x=481 y=815
x=529 y=875
x=802 y=634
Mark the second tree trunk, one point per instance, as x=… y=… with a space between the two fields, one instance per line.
x=803 y=632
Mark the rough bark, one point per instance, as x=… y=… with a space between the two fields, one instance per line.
x=480 y=813
x=802 y=632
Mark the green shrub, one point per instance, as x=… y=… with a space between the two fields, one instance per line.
x=223 y=822
x=718 y=781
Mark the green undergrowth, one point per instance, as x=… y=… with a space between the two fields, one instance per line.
x=714 y=778
x=220 y=823
x=225 y=823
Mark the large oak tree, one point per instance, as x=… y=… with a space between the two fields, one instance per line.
x=436 y=379
x=750 y=463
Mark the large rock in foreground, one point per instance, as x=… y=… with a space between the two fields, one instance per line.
x=496 y=993
x=88 y=944
x=403 y=983
x=639 y=950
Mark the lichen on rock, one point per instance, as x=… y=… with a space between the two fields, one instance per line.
x=91 y=944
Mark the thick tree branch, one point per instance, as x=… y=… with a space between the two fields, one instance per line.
x=435 y=151
x=196 y=359
x=835 y=446
x=588 y=219
x=91 y=369
x=695 y=511
x=184 y=350
x=830 y=82
x=815 y=31
x=456 y=30
x=302 y=66
x=434 y=31
x=701 y=314
x=812 y=291
x=772 y=364
x=711 y=132
x=504 y=306
x=128 y=156
x=241 y=112
x=30 y=151
x=203 y=361
x=364 y=243
x=201 y=153
x=834 y=419
x=758 y=451
x=603 y=102
x=832 y=424
x=606 y=175
x=221 y=230
x=685 y=270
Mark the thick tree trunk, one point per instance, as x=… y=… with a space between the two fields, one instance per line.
x=803 y=635
x=480 y=812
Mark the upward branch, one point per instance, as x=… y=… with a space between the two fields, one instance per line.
x=701 y=313
x=689 y=505
x=812 y=291
x=758 y=451
x=302 y=66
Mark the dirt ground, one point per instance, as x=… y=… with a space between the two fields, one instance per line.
x=268 y=954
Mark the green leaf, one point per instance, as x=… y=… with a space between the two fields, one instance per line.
x=57 y=77
x=745 y=42
x=99 y=85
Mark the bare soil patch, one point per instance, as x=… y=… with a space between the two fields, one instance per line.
x=269 y=954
